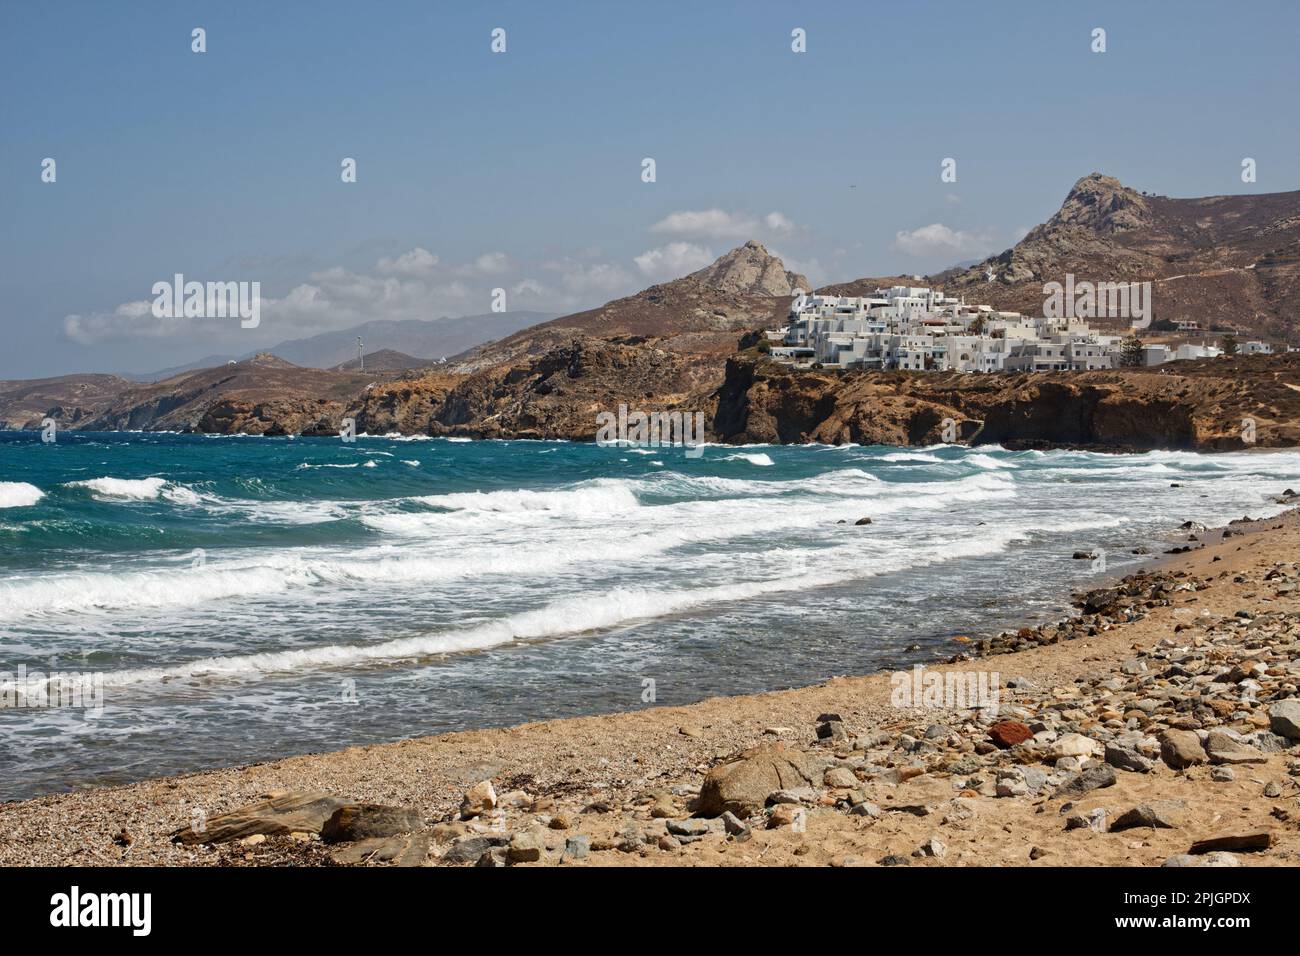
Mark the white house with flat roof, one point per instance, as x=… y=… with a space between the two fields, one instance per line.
x=918 y=328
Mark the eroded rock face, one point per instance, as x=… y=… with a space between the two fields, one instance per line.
x=1198 y=407
x=409 y=406
x=560 y=394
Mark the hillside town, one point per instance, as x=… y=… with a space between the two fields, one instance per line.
x=919 y=328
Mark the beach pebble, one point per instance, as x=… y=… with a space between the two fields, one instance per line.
x=479 y=799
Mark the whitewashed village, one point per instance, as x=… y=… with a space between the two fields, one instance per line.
x=919 y=328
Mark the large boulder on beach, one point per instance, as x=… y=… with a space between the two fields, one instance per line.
x=276 y=814
x=742 y=786
x=365 y=821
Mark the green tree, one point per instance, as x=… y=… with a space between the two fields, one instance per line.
x=1130 y=352
x=1229 y=345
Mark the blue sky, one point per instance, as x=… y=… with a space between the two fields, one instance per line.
x=522 y=170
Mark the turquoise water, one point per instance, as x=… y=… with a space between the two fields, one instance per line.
x=247 y=598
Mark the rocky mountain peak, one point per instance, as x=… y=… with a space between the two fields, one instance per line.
x=269 y=360
x=752 y=270
x=1103 y=204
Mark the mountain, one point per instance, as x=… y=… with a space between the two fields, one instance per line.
x=698 y=314
x=423 y=341
x=749 y=270
x=385 y=360
x=208 y=361
x=423 y=338
x=68 y=399
x=1232 y=261
x=263 y=394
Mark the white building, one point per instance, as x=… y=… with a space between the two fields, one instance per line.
x=918 y=328
x=1189 y=351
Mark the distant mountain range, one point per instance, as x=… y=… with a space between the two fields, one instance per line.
x=425 y=340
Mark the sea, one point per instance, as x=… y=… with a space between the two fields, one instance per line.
x=228 y=599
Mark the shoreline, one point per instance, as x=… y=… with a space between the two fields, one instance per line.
x=453 y=435
x=609 y=776
x=934 y=650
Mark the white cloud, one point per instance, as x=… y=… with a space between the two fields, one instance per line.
x=673 y=260
x=937 y=239
x=585 y=279
x=416 y=284
x=128 y=320
x=417 y=262
x=719 y=224
x=492 y=263
x=778 y=223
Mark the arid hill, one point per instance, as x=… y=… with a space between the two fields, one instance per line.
x=696 y=315
x=556 y=395
x=261 y=395
x=385 y=360
x=1232 y=261
x=68 y=399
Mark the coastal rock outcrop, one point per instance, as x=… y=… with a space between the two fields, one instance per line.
x=1194 y=405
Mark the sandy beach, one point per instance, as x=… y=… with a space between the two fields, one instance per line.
x=1122 y=737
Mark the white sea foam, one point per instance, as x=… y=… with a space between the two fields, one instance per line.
x=988 y=461
x=600 y=496
x=131 y=489
x=573 y=615
x=754 y=458
x=19 y=494
x=910 y=457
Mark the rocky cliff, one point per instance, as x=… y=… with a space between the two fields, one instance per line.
x=1189 y=405
x=556 y=395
